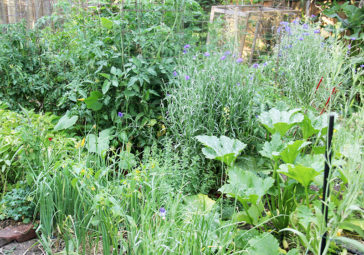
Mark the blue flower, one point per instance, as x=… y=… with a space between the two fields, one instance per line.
x=362 y=66
x=316 y=31
x=162 y=212
x=353 y=38
x=239 y=60
x=184 y=51
x=175 y=73
x=265 y=64
x=305 y=26
x=227 y=53
x=255 y=65
x=223 y=57
x=306 y=33
x=187 y=46
x=206 y=54
x=120 y=114
x=295 y=21
x=238 y=84
x=313 y=16
x=301 y=38
x=284 y=23
x=187 y=77
x=349 y=46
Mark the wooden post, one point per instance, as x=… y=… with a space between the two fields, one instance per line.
x=244 y=34
x=255 y=37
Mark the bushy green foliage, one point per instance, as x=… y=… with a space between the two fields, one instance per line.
x=17 y=205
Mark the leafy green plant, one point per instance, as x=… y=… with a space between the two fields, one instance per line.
x=17 y=204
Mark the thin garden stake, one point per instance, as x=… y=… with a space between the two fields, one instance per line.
x=326 y=191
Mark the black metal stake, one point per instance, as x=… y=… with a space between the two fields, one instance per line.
x=326 y=191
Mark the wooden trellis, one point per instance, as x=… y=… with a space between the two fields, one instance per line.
x=251 y=28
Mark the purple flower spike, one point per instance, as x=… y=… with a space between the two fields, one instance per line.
x=305 y=26
x=227 y=53
x=239 y=60
x=349 y=46
x=223 y=57
x=184 y=51
x=187 y=46
x=301 y=38
x=206 y=54
x=265 y=64
x=255 y=65
x=120 y=114
x=162 y=212
x=362 y=66
x=187 y=77
x=175 y=73
x=289 y=46
x=316 y=31
x=313 y=16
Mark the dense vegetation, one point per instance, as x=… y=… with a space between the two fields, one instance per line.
x=123 y=133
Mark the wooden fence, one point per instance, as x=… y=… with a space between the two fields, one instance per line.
x=12 y=11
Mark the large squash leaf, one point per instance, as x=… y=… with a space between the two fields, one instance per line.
x=223 y=149
x=292 y=149
x=300 y=173
x=66 y=122
x=280 y=121
x=246 y=186
x=273 y=148
x=265 y=243
x=199 y=203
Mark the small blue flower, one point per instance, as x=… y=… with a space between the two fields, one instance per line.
x=353 y=38
x=187 y=77
x=265 y=64
x=255 y=65
x=120 y=114
x=251 y=78
x=175 y=73
x=295 y=21
x=162 y=212
x=313 y=16
x=316 y=31
x=306 y=33
x=223 y=57
x=206 y=54
x=187 y=46
x=184 y=51
x=362 y=66
x=349 y=46
x=239 y=60
x=194 y=57
x=238 y=84
x=289 y=46
x=305 y=26
x=284 y=23
x=301 y=38
x=227 y=53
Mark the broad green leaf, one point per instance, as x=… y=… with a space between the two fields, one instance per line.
x=99 y=144
x=223 y=149
x=265 y=243
x=280 y=121
x=246 y=186
x=314 y=161
x=106 y=23
x=66 y=122
x=304 y=175
x=127 y=160
x=292 y=149
x=199 y=204
x=305 y=216
x=273 y=148
x=92 y=102
x=105 y=87
x=312 y=124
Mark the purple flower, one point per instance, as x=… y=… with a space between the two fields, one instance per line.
x=349 y=46
x=284 y=23
x=289 y=46
x=313 y=16
x=162 y=212
x=265 y=64
x=362 y=66
x=194 y=57
x=223 y=57
x=306 y=33
x=305 y=26
x=187 y=77
x=316 y=31
x=301 y=38
x=206 y=54
x=295 y=21
x=187 y=46
x=227 y=53
x=184 y=51
x=238 y=84
x=175 y=73
x=255 y=65
x=120 y=114
x=239 y=60
x=251 y=78
x=353 y=38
